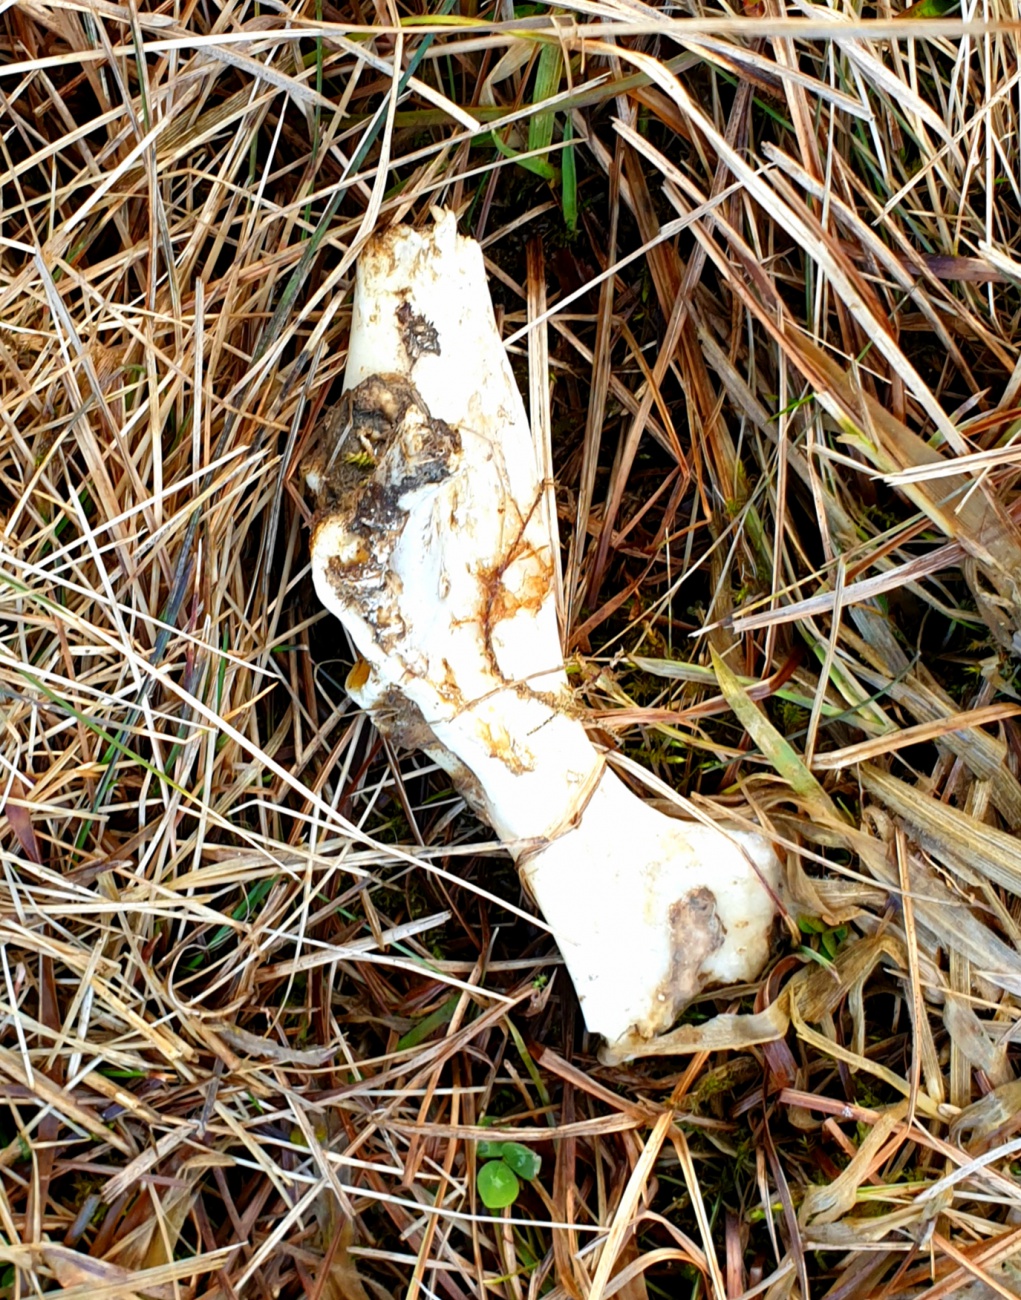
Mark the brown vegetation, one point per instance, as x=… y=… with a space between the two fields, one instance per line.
x=264 y=985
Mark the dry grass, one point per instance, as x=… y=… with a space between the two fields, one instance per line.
x=263 y=983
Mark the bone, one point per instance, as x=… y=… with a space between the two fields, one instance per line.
x=431 y=545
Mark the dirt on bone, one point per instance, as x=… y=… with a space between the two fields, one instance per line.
x=418 y=335
x=383 y=434
x=381 y=444
x=403 y=724
x=401 y=721
x=696 y=933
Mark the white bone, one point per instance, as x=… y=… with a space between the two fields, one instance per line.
x=431 y=546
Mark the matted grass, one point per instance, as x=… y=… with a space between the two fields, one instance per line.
x=264 y=984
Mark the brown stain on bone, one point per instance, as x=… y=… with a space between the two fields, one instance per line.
x=405 y=726
x=696 y=932
x=536 y=585
x=402 y=722
x=465 y=782
x=501 y=746
x=378 y=445
x=497 y=602
x=380 y=436
x=418 y=335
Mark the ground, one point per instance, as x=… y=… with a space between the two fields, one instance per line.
x=268 y=986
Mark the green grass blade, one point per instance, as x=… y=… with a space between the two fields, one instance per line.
x=569 y=178
x=547 y=82
x=780 y=752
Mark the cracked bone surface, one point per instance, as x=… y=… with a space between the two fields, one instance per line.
x=431 y=544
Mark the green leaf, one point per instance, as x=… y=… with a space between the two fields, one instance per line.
x=810 y=954
x=547 y=83
x=497 y=1185
x=490 y=1150
x=831 y=940
x=928 y=9
x=776 y=748
x=523 y=1160
x=569 y=178
x=537 y=165
x=425 y=1027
